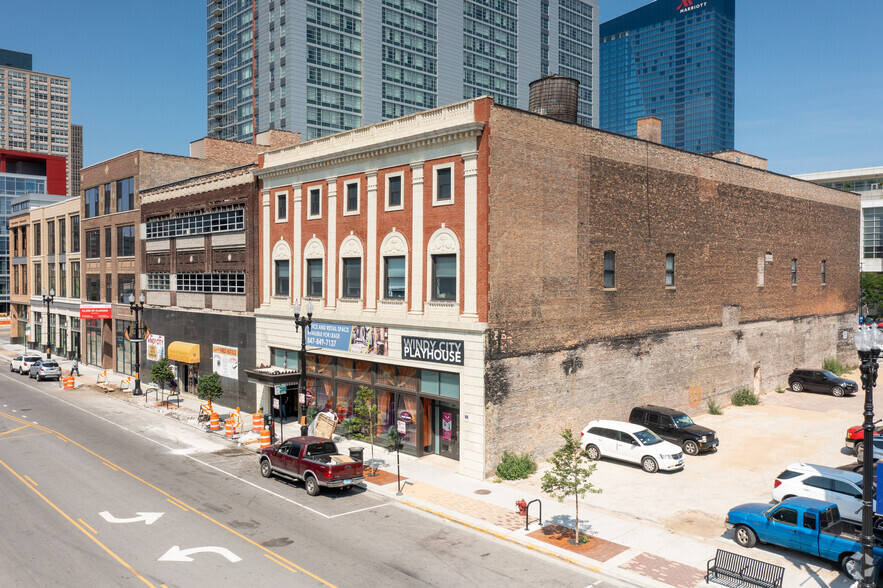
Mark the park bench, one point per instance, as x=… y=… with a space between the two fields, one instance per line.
x=732 y=566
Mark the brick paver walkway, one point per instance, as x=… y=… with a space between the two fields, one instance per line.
x=664 y=570
x=508 y=519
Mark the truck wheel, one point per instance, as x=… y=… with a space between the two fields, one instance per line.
x=851 y=567
x=691 y=447
x=311 y=485
x=266 y=470
x=745 y=536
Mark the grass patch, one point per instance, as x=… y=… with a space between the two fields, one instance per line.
x=780 y=390
x=833 y=365
x=714 y=407
x=516 y=467
x=745 y=397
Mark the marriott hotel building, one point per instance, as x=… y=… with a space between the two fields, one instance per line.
x=672 y=59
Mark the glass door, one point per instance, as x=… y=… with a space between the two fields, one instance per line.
x=446 y=429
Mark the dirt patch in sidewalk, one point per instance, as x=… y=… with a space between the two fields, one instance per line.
x=695 y=522
x=382 y=478
x=595 y=548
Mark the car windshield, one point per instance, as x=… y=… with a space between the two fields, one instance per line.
x=829 y=375
x=648 y=437
x=682 y=421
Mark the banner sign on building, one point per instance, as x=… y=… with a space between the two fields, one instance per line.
x=226 y=361
x=355 y=338
x=434 y=350
x=96 y=311
x=156 y=347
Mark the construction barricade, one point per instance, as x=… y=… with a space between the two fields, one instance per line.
x=265 y=437
x=215 y=422
x=257 y=421
x=69 y=383
x=228 y=427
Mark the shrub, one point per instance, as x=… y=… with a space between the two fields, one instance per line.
x=833 y=365
x=745 y=397
x=714 y=407
x=516 y=467
x=780 y=390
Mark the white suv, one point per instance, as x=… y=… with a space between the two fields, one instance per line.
x=829 y=484
x=630 y=442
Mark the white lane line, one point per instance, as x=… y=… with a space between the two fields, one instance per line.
x=199 y=461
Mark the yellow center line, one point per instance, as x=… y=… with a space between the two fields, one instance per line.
x=110 y=465
x=77 y=525
x=14 y=430
x=167 y=495
x=85 y=524
x=31 y=481
x=276 y=561
x=176 y=503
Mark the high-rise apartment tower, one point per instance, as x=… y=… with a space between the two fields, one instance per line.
x=673 y=59
x=322 y=66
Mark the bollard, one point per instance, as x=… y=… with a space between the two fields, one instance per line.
x=215 y=422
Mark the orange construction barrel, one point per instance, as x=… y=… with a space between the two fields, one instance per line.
x=257 y=422
x=69 y=383
x=215 y=422
x=265 y=437
x=228 y=429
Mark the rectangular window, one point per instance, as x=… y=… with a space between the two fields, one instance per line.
x=315 y=203
x=37 y=239
x=216 y=283
x=442 y=187
x=91 y=204
x=125 y=287
x=282 y=277
x=108 y=250
x=220 y=221
x=670 y=269
x=75 y=279
x=62 y=280
x=314 y=278
x=75 y=234
x=352 y=277
x=62 y=236
x=93 y=287
x=51 y=268
x=444 y=277
x=824 y=272
x=108 y=287
x=107 y=198
x=50 y=237
x=352 y=198
x=158 y=281
x=394 y=279
x=126 y=241
x=793 y=271
x=610 y=269
x=281 y=207
x=38 y=279
x=125 y=194
x=394 y=192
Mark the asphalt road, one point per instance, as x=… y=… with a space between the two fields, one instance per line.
x=98 y=492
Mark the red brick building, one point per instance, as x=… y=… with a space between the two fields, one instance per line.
x=496 y=276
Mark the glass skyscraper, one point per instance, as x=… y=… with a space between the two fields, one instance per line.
x=673 y=59
x=322 y=66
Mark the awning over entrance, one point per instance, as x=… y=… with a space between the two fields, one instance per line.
x=273 y=376
x=183 y=352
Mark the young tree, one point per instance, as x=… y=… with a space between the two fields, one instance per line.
x=161 y=372
x=569 y=475
x=365 y=416
x=209 y=387
x=872 y=290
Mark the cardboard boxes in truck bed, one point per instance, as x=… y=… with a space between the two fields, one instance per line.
x=325 y=425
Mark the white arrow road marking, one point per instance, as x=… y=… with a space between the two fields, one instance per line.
x=178 y=554
x=148 y=517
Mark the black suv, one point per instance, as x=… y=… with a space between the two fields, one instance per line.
x=821 y=381
x=675 y=426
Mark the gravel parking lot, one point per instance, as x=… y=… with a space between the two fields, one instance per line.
x=756 y=443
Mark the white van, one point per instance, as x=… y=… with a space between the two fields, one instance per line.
x=830 y=484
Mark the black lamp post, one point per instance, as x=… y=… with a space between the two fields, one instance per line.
x=303 y=323
x=137 y=309
x=48 y=300
x=868 y=341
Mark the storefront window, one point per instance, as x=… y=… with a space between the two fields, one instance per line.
x=441 y=383
x=93 y=342
x=345 y=369
x=345 y=400
x=407 y=378
x=362 y=371
x=125 y=350
x=284 y=358
x=386 y=374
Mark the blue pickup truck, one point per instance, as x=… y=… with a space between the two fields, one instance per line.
x=803 y=524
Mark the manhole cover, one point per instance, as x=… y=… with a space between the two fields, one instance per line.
x=482 y=491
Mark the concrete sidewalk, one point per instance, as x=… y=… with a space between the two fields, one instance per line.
x=628 y=549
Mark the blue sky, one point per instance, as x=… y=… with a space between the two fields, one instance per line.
x=809 y=75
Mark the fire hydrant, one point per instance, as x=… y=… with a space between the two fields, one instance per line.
x=522 y=507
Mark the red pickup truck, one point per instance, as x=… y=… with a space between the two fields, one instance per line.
x=314 y=460
x=856 y=435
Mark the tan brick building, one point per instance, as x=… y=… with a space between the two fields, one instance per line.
x=497 y=276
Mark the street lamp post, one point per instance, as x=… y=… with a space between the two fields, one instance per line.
x=48 y=300
x=869 y=342
x=137 y=309
x=302 y=323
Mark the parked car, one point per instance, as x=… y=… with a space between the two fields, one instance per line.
x=821 y=381
x=675 y=426
x=843 y=488
x=855 y=435
x=859 y=449
x=802 y=524
x=314 y=460
x=24 y=366
x=630 y=442
x=15 y=364
x=45 y=369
